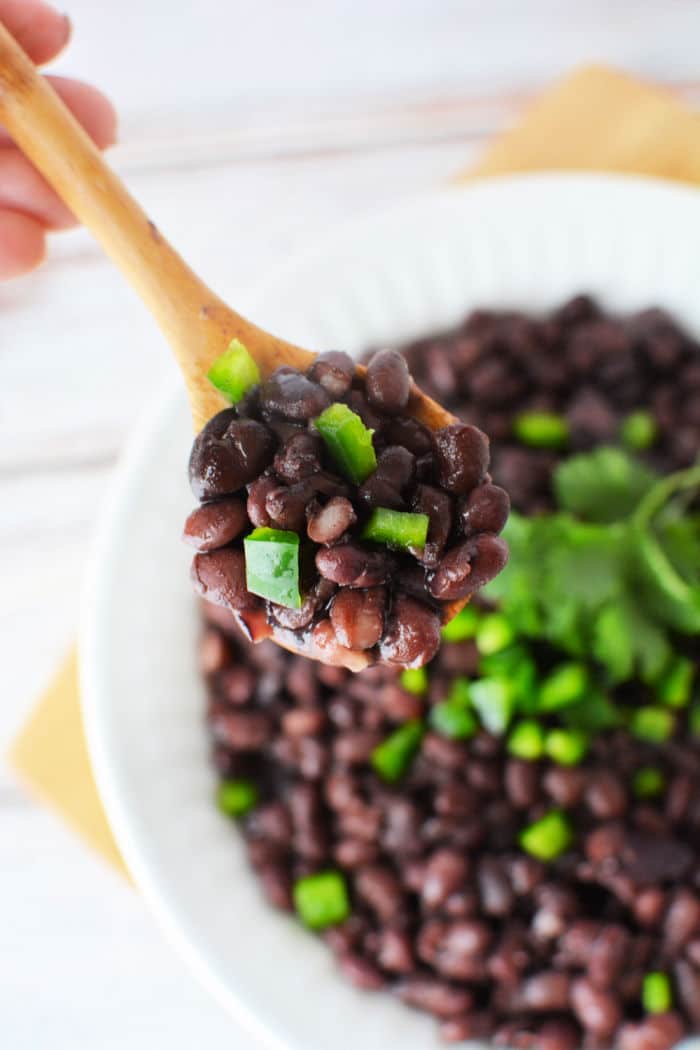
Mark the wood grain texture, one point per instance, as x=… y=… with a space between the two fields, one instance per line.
x=357 y=104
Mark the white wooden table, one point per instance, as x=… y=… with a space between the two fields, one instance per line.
x=246 y=128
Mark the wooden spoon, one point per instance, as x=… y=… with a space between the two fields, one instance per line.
x=197 y=324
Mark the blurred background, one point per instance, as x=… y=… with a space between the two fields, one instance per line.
x=246 y=130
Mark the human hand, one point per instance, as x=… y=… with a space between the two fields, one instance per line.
x=28 y=206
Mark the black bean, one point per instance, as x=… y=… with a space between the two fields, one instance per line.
x=545 y=991
x=334 y=371
x=608 y=956
x=599 y=1012
x=388 y=382
x=290 y=395
x=682 y=920
x=360 y=971
x=242 y=730
x=605 y=795
x=409 y=434
x=219 y=576
x=412 y=635
x=394 y=951
x=299 y=458
x=214 y=652
x=435 y=996
x=215 y=524
x=383 y=488
x=358 y=617
x=485 y=509
x=257 y=499
x=661 y=1032
x=445 y=872
x=468 y=567
x=379 y=888
x=351 y=565
x=522 y=783
x=355 y=853
x=495 y=890
x=238 y=685
x=327 y=524
x=438 y=506
x=286 y=506
x=462 y=456
x=220 y=465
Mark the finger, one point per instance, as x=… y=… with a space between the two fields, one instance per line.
x=41 y=31
x=22 y=244
x=92 y=109
x=23 y=189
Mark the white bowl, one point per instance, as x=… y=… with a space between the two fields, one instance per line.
x=523 y=242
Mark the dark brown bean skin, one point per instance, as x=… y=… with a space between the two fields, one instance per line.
x=462 y=457
x=214 y=652
x=257 y=498
x=412 y=635
x=220 y=465
x=327 y=524
x=438 y=506
x=408 y=433
x=485 y=509
x=468 y=567
x=360 y=972
x=215 y=524
x=286 y=506
x=351 y=565
x=358 y=617
x=388 y=382
x=435 y=996
x=219 y=576
x=334 y=371
x=242 y=730
x=380 y=889
x=599 y=1012
x=300 y=458
x=445 y=872
x=290 y=395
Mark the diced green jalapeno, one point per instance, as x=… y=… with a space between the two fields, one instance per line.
x=235 y=372
x=454 y=719
x=648 y=782
x=462 y=626
x=676 y=684
x=657 y=996
x=526 y=740
x=494 y=633
x=235 y=798
x=348 y=440
x=639 y=430
x=397 y=528
x=548 y=837
x=653 y=724
x=392 y=758
x=494 y=700
x=565 y=685
x=322 y=899
x=566 y=747
x=414 y=680
x=541 y=429
x=272 y=566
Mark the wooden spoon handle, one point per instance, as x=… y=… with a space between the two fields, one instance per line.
x=197 y=324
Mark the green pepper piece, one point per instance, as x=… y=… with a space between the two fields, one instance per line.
x=322 y=899
x=657 y=996
x=397 y=528
x=565 y=685
x=348 y=440
x=453 y=719
x=541 y=429
x=235 y=798
x=676 y=684
x=648 y=782
x=548 y=837
x=566 y=747
x=272 y=566
x=462 y=626
x=234 y=373
x=494 y=699
x=494 y=634
x=653 y=724
x=639 y=430
x=414 y=680
x=393 y=756
x=526 y=740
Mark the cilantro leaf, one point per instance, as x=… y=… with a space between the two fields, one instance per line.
x=601 y=486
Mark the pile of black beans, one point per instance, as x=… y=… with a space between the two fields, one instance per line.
x=264 y=464
x=447 y=911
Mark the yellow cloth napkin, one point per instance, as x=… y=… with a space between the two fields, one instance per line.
x=595 y=119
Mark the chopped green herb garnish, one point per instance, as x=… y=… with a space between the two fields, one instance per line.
x=657 y=996
x=639 y=430
x=414 y=680
x=235 y=372
x=462 y=626
x=648 y=782
x=272 y=566
x=676 y=684
x=601 y=486
x=235 y=798
x=322 y=899
x=564 y=686
x=396 y=528
x=526 y=740
x=653 y=724
x=392 y=758
x=517 y=665
x=566 y=747
x=548 y=837
x=594 y=714
x=494 y=700
x=494 y=633
x=348 y=440
x=541 y=429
